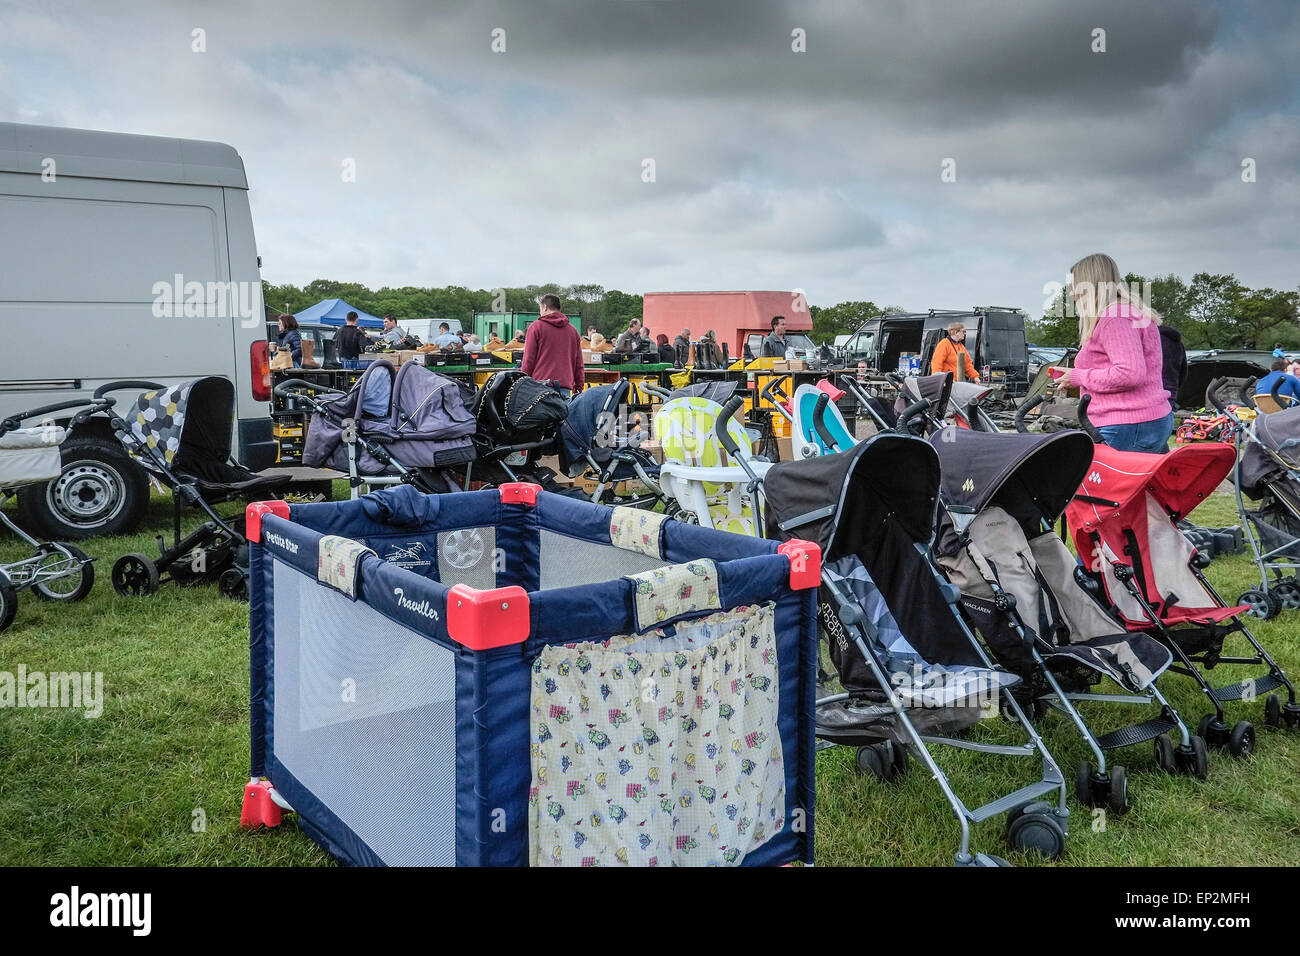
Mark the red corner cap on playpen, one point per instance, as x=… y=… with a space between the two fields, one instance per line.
x=253 y=517
x=259 y=809
x=805 y=563
x=519 y=493
x=835 y=392
x=484 y=619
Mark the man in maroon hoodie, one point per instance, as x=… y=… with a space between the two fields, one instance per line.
x=552 y=349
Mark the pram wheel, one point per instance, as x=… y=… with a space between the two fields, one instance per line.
x=1287 y=594
x=8 y=601
x=1263 y=604
x=1213 y=731
x=1095 y=790
x=1241 y=742
x=1118 y=798
x=1164 y=748
x=1033 y=828
x=135 y=575
x=233 y=584
x=1192 y=759
x=72 y=584
x=1291 y=715
x=1272 y=711
x=884 y=761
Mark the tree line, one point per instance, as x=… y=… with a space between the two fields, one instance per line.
x=1211 y=311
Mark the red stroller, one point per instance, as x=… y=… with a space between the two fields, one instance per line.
x=1124 y=522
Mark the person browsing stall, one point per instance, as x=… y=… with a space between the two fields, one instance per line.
x=393 y=333
x=950 y=355
x=445 y=336
x=774 y=344
x=349 y=342
x=553 y=349
x=290 y=339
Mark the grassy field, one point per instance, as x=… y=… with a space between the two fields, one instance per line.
x=158 y=778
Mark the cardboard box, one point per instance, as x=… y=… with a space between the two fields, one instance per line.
x=789 y=365
x=785 y=448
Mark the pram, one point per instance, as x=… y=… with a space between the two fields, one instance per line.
x=913 y=675
x=1021 y=589
x=1124 y=523
x=517 y=421
x=598 y=438
x=1268 y=471
x=56 y=571
x=181 y=434
x=395 y=426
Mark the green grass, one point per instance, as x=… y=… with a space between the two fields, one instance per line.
x=123 y=789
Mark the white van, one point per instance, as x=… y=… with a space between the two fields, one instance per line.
x=124 y=257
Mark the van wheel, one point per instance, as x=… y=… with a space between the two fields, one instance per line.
x=101 y=491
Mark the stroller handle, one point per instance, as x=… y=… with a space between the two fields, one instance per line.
x=1276 y=393
x=724 y=419
x=1024 y=409
x=1086 y=422
x=296 y=388
x=1212 y=394
x=919 y=407
x=14 y=421
x=774 y=386
x=126 y=383
x=973 y=417
x=1247 y=393
x=819 y=422
x=661 y=393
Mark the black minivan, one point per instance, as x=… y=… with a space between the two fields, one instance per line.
x=995 y=338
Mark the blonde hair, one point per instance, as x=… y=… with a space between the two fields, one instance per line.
x=1096 y=284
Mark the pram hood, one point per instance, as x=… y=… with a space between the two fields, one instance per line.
x=590 y=412
x=1032 y=477
x=842 y=495
x=1279 y=432
x=183 y=424
x=431 y=426
x=369 y=405
x=512 y=407
x=1119 y=481
x=935 y=389
x=714 y=391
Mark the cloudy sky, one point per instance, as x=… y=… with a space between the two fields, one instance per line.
x=773 y=169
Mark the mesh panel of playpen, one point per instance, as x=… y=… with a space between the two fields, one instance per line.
x=468 y=556
x=365 y=718
x=570 y=562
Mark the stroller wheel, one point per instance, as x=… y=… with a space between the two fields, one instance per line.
x=1035 y=829
x=1083 y=784
x=1263 y=604
x=72 y=584
x=233 y=584
x=896 y=759
x=1272 y=711
x=1192 y=759
x=135 y=575
x=1288 y=594
x=1213 y=731
x=1118 y=798
x=1241 y=742
x=1291 y=714
x=870 y=760
x=8 y=601
x=1165 y=759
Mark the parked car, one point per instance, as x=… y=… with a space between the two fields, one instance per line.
x=322 y=338
x=138 y=251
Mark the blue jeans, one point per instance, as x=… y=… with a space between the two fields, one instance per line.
x=350 y=363
x=1152 y=436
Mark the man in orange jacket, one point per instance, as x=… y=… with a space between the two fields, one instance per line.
x=950 y=355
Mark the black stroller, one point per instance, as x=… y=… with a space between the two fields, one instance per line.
x=1029 y=598
x=55 y=570
x=913 y=675
x=600 y=439
x=518 y=419
x=181 y=435
x=395 y=426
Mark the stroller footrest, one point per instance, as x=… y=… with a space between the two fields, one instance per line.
x=1136 y=733
x=1014 y=799
x=1253 y=688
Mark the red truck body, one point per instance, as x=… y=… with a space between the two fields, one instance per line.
x=734 y=316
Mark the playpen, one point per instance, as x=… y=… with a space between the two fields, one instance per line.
x=509 y=676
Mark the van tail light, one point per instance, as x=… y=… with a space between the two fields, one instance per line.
x=260 y=358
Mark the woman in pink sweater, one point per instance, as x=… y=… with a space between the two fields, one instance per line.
x=1120 y=362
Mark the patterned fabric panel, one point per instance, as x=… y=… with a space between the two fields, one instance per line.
x=159 y=419
x=668 y=593
x=634 y=529
x=658 y=750
x=337 y=563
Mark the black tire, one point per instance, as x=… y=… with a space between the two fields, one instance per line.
x=1165 y=758
x=233 y=584
x=1203 y=728
x=1083 y=783
x=84 y=576
x=900 y=761
x=8 y=602
x=1272 y=711
x=1038 y=834
x=101 y=491
x=135 y=575
x=1241 y=742
x=1194 y=761
x=869 y=761
x=1288 y=594
x=1118 y=799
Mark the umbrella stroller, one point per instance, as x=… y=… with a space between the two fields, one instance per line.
x=1124 y=523
x=1020 y=587
x=517 y=420
x=180 y=434
x=55 y=571
x=395 y=426
x=1268 y=472
x=595 y=439
x=913 y=675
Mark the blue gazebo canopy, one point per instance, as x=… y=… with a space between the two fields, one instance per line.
x=335 y=312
